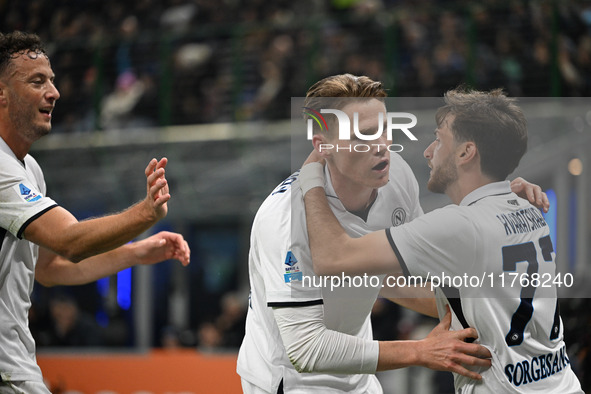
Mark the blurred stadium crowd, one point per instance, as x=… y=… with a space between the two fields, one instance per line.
x=149 y=63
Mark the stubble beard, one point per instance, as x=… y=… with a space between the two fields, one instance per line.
x=24 y=120
x=442 y=177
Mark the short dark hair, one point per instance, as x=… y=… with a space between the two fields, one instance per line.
x=494 y=122
x=337 y=91
x=21 y=43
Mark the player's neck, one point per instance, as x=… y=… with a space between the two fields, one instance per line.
x=465 y=185
x=354 y=197
x=19 y=146
x=357 y=203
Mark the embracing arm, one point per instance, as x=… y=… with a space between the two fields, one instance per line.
x=59 y=231
x=531 y=192
x=418 y=298
x=52 y=270
x=311 y=347
x=333 y=250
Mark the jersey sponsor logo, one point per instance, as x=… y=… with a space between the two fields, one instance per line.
x=537 y=368
x=27 y=194
x=292 y=272
x=398 y=217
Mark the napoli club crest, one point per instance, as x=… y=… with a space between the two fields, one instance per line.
x=398 y=217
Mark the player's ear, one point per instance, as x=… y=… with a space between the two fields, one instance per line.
x=322 y=146
x=467 y=151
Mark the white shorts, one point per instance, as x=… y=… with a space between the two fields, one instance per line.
x=23 y=387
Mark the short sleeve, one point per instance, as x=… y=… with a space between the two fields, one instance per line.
x=439 y=242
x=283 y=259
x=21 y=200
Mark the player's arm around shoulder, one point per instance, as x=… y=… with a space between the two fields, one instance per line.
x=531 y=192
x=418 y=298
x=333 y=250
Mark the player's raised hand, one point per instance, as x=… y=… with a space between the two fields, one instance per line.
x=162 y=246
x=157 y=188
x=445 y=350
x=531 y=192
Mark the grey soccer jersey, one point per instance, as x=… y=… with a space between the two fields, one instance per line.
x=281 y=274
x=491 y=234
x=22 y=199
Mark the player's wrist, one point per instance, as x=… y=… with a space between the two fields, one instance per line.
x=146 y=211
x=418 y=354
x=311 y=176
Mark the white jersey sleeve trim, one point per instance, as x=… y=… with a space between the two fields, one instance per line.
x=23 y=227
x=295 y=303
x=397 y=253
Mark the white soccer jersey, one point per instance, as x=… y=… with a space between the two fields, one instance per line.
x=280 y=270
x=494 y=235
x=22 y=199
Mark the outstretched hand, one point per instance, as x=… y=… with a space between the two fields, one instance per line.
x=162 y=246
x=157 y=188
x=445 y=350
x=531 y=192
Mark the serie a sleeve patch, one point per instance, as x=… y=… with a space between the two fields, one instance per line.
x=27 y=193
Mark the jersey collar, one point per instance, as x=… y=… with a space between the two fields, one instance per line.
x=6 y=149
x=491 y=189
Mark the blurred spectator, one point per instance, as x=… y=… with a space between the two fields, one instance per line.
x=209 y=337
x=178 y=15
x=583 y=64
x=226 y=330
x=572 y=80
x=232 y=320
x=510 y=63
x=69 y=325
x=129 y=30
x=118 y=107
x=539 y=68
x=170 y=338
